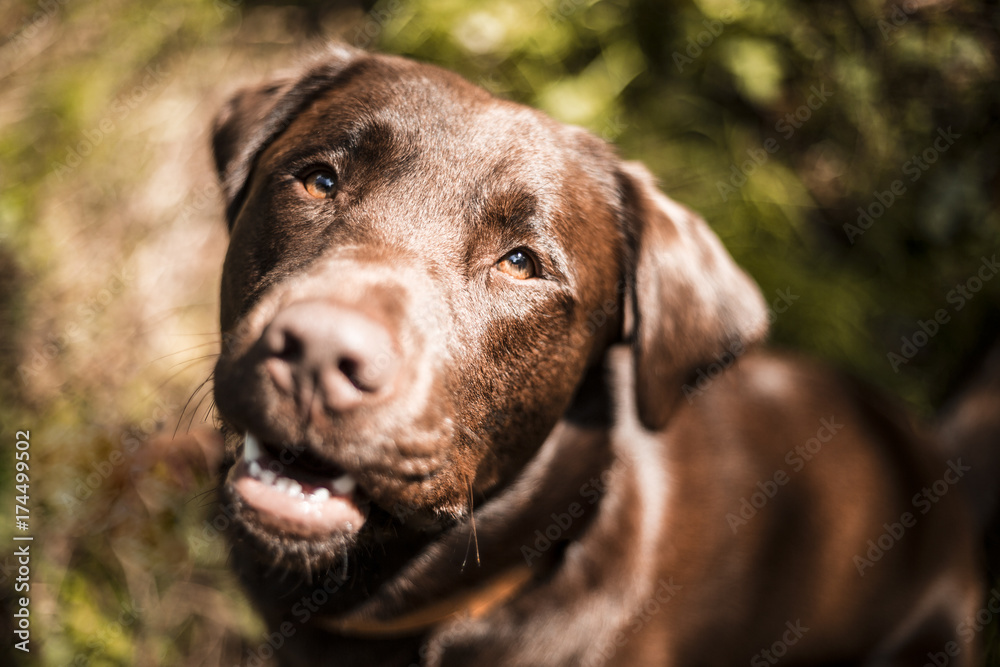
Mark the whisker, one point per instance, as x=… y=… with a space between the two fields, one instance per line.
x=194 y=360
x=188 y=401
x=194 y=413
x=201 y=494
x=163 y=384
x=208 y=411
x=473 y=536
x=187 y=349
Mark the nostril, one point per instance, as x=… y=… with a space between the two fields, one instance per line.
x=313 y=345
x=290 y=348
x=349 y=368
x=284 y=339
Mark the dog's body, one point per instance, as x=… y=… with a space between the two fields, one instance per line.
x=461 y=336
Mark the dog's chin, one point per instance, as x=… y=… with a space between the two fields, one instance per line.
x=291 y=518
x=294 y=561
x=299 y=547
x=305 y=518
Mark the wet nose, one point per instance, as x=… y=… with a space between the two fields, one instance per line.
x=316 y=349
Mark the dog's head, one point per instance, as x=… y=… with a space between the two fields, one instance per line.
x=419 y=277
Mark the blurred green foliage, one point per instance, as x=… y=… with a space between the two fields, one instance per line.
x=776 y=119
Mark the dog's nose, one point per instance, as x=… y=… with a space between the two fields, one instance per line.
x=316 y=349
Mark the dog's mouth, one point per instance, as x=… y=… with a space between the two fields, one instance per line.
x=304 y=498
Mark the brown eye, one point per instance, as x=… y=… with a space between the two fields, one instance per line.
x=518 y=264
x=321 y=183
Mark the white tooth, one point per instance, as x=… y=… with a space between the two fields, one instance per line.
x=293 y=488
x=282 y=483
x=254 y=469
x=268 y=477
x=251 y=448
x=319 y=495
x=343 y=485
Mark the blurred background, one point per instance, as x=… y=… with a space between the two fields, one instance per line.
x=848 y=154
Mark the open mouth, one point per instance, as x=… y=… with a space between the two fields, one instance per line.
x=300 y=498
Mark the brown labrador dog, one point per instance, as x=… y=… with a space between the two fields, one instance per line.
x=489 y=400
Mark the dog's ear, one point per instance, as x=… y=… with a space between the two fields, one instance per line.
x=239 y=132
x=687 y=302
x=255 y=116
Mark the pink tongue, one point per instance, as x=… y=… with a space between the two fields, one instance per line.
x=280 y=511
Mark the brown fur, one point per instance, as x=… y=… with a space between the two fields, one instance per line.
x=514 y=404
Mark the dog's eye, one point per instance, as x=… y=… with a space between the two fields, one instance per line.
x=518 y=264
x=320 y=183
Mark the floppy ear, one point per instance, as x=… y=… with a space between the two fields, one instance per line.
x=689 y=304
x=255 y=116
x=239 y=133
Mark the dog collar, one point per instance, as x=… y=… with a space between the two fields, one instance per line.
x=470 y=604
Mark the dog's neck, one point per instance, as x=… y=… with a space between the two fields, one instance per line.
x=424 y=581
x=578 y=490
x=519 y=535
x=466 y=604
